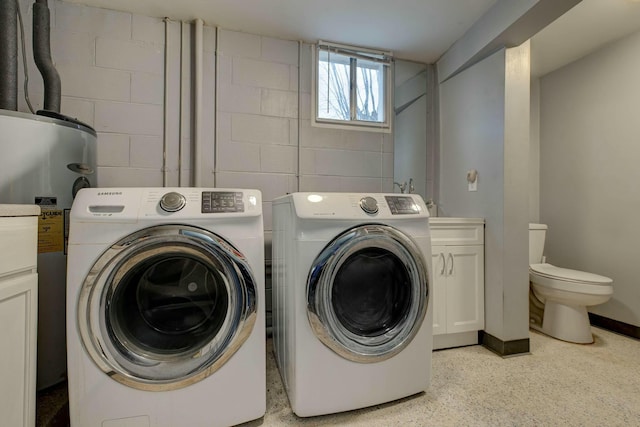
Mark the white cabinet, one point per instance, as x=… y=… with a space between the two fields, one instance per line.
x=458 y=280
x=18 y=314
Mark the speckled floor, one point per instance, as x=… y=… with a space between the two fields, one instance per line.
x=52 y=407
x=557 y=384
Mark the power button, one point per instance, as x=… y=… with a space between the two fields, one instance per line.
x=172 y=202
x=369 y=205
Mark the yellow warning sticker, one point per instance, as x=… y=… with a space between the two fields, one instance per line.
x=51 y=231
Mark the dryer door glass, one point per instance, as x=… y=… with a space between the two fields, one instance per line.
x=371 y=292
x=166 y=306
x=367 y=293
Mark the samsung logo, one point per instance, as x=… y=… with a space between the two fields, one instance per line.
x=110 y=193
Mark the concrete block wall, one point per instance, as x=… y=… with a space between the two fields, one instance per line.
x=338 y=159
x=112 y=69
x=263 y=139
x=257 y=115
x=111 y=65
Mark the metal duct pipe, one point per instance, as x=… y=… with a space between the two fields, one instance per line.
x=9 y=55
x=42 y=56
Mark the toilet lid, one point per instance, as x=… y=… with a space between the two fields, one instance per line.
x=553 y=272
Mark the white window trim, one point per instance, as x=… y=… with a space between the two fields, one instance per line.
x=358 y=125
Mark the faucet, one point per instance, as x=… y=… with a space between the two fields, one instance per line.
x=411 y=187
x=432 y=207
x=402 y=186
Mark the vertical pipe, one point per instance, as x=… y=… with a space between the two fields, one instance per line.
x=42 y=56
x=181 y=108
x=197 y=121
x=8 y=55
x=217 y=83
x=165 y=109
x=298 y=172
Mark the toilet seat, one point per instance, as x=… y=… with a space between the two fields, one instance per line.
x=553 y=272
x=570 y=280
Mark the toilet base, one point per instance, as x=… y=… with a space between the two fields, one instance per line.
x=567 y=322
x=562 y=321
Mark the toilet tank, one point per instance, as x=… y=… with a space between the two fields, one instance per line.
x=537 y=233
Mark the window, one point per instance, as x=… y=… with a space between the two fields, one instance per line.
x=352 y=87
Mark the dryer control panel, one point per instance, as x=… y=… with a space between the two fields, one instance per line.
x=402 y=205
x=369 y=206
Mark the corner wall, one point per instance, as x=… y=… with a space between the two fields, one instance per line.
x=484 y=125
x=589 y=174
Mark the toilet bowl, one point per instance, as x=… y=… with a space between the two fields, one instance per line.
x=562 y=294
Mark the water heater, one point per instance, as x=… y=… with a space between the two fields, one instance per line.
x=45 y=161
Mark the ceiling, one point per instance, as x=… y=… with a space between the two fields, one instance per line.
x=418 y=30
x=588 y=26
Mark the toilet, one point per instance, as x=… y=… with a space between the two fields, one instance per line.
x=559 y=297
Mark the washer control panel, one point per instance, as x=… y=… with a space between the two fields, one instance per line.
x=172 y=202
x=222 y=202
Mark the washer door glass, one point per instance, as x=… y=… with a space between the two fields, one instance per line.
x=367 y=293
x=166 y=306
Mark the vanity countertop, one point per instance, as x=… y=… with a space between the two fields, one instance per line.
x=19 y=210
x=445 y=220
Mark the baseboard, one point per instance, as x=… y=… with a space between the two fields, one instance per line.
x=504 y=348
x=461 y=339
x=615 y=326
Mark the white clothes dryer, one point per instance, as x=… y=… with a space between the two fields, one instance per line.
x=351 y=299
x=165 y=307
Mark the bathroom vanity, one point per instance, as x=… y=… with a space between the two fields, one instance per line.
x=457 y=250
x=18 y=313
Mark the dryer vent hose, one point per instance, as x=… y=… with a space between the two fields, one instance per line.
x=42 y=56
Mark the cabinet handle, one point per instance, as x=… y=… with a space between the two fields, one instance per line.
x=444 y=264
x=450 y=269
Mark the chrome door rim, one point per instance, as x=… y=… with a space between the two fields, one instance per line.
x=321 y=315
x=145 y=370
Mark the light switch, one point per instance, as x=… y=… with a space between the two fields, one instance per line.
x=473 y=186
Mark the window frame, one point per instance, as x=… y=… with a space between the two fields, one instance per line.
x=354 y=53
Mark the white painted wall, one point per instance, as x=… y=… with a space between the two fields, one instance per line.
x=484 y=125
x=534 y=153
x=257 y=115
x=112 y=69
x=337 y=159
x=410 y=126
x=589 y=174
x=265 y=136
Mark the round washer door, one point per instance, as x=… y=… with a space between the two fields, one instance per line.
x=166 y=307
x=367 y=293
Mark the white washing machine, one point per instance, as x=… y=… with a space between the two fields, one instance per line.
x=165 y=307
x=351 y=299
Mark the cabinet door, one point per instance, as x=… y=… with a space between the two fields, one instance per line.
x=465 y=288
x=18 y=308
x=438 y=289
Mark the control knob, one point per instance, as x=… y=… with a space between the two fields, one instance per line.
x=172 y=202
x=369 y=205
